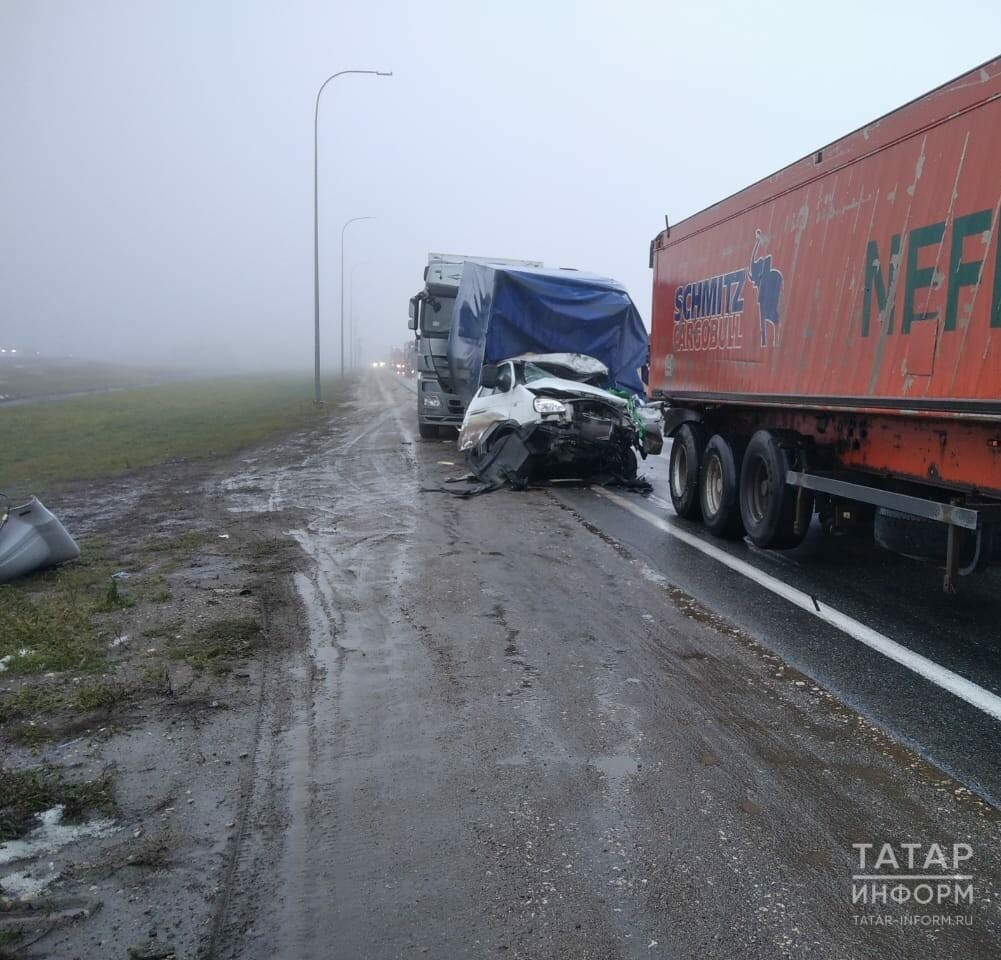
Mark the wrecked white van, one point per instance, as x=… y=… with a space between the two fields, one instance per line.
x=541 y=417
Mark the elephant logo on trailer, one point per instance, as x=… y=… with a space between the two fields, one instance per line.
x=709 y=313
x=768 y=285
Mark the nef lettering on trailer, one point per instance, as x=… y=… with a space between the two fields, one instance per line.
x=967 y=251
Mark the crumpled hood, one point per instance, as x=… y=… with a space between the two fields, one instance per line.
x=582 y=367
x=547 y=386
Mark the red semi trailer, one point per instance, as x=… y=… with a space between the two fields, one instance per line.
x=829 y=339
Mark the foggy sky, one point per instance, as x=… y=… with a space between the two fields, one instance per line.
x=156 y=171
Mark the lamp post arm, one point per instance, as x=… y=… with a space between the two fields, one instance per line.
x=316 y=224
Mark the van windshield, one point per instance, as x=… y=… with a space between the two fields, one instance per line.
x=532 y=371
x=536 y=371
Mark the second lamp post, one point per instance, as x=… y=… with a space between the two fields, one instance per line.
x=316 y=232
x=347 y=223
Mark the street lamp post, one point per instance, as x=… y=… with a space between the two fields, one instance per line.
x=316 y=226
x=346 y=225
x=352 y=337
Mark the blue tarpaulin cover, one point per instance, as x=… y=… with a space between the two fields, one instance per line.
x=502 y=312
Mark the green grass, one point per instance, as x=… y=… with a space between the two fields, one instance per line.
x=47 y=633
x=217 y=644
x=105 y=696
x=34 y=701
x=157 y=679
x=49 y=446
x=51 y=620
x=46 y=619
x=30 y=702
x=25 y=793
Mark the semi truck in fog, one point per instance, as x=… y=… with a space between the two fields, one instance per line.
x=828 y=340
x=438 y=405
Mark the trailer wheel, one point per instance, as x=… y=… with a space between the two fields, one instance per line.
x=686 y=462
x=428 y=431
x=719 y=488
x=767 y=503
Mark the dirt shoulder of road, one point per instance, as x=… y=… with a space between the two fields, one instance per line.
x=129 y=707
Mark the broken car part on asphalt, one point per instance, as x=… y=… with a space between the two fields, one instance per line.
x=31 y=538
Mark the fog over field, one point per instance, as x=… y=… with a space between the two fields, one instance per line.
x=156 y=182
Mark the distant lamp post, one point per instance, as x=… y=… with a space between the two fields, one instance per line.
x=347 y=224
x=352 y=336
x=316 y=232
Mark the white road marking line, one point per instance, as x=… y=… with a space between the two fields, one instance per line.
x=942 y=677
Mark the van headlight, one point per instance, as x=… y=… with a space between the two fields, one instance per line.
x=546 y=405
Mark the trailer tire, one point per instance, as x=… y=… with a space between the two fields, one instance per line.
x=686 y=463
x=719 y=487
x=428 y=431
x=767 y=503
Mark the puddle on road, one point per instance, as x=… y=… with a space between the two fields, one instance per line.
x=50 y=835
x=616 y=767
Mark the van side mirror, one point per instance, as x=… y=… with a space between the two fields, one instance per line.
x=412 y=313
x=488 y=376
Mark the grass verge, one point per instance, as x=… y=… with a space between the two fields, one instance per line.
x=49 y=446
x=46 y=619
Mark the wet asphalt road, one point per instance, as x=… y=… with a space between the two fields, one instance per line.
x=527 y=725
x=898 y=597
